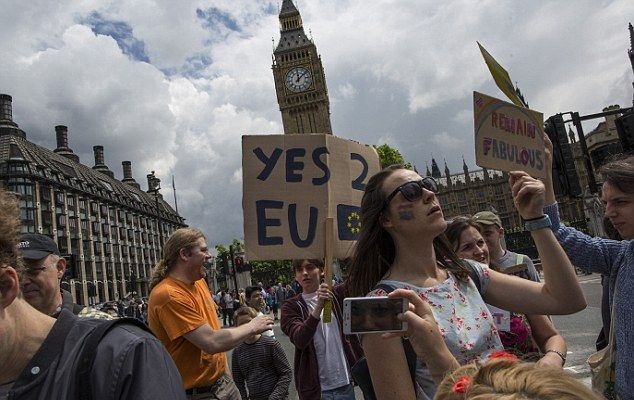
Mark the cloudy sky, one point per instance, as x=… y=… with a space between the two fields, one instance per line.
x=173 y=85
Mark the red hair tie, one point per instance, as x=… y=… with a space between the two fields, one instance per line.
x=504 y=355
x=462 y=384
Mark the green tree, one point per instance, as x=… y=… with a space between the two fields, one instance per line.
x=272 y=271
x=268 y=272
x=389 y=155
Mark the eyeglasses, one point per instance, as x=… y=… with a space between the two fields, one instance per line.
x=413 y=191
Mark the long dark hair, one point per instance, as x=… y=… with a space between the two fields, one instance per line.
x=375 y=251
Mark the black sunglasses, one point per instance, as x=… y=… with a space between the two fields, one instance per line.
x=413 y=191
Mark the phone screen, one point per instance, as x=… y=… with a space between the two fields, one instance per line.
x=374 y=314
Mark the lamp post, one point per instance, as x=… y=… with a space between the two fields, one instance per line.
x=233 y=268
x=154 y=185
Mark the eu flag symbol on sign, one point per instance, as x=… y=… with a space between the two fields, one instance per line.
x=348 y=221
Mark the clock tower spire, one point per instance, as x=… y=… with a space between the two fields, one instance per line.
x=299 y=77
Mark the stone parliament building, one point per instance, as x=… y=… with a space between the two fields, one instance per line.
x=111 y=232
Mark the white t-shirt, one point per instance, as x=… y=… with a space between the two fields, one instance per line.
x=333 y=369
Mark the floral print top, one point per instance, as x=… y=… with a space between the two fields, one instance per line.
x=462 y=316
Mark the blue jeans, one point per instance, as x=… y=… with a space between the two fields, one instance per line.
x=341 y=393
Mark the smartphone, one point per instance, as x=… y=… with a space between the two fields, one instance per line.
x=373 y=314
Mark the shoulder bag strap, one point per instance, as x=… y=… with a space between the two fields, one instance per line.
x=89 y=352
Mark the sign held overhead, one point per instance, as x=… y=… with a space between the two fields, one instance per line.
x=508 y=137
x=292 y=183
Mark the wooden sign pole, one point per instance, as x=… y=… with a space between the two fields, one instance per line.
x=328 y=258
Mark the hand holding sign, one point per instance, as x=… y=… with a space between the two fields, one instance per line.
x=528 y=194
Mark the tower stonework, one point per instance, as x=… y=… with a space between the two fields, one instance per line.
x=300 y=82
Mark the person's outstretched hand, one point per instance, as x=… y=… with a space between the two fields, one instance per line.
x=260 y=324
x=528 y=194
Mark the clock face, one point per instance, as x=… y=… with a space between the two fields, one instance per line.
x=298 y=79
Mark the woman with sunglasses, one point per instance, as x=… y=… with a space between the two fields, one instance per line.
x=401 y=244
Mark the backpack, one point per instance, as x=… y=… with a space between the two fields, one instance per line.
x=361 y=373
x=88 y=353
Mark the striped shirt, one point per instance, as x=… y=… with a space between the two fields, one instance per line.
x=262 y=368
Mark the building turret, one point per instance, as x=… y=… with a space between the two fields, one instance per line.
x=465 y=169
x=435 y=171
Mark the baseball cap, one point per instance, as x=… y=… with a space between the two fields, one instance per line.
x=35 y=246
x=487 y=218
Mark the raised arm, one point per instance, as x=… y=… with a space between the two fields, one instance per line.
x=560 y=293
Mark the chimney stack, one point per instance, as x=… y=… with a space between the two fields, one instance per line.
x=99 y=162
x=6 y=110
x=61 y=134
x=7 y=126
x=127 y=175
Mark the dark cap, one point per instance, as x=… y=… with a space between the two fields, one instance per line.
x=487 y=218
x=35 y=246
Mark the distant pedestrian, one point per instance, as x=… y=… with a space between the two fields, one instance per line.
x=253 y=294
x=229 y=307
x=259 y=365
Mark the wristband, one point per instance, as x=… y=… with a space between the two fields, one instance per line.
x=539 y=223
x=563 y=358
x=533 y=219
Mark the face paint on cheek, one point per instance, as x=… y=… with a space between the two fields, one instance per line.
x=405 y=215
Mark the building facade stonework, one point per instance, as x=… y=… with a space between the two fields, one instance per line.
x=110 y=231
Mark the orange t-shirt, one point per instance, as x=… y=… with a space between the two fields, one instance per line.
x=176 y=308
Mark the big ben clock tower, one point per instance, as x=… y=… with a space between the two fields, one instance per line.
x=300 y=82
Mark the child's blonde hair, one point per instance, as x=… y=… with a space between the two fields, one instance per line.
x=245 y=310
x=511 y=380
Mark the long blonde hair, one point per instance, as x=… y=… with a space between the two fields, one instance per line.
x=511 y=380
x=184 y=238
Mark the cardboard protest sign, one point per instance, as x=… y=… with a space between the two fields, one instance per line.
x=508 y=137
x=292 y=183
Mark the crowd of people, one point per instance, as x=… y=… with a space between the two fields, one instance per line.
x=478 y=325
x=269 y=299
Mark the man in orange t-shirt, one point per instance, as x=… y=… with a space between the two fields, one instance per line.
x=184 y=317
